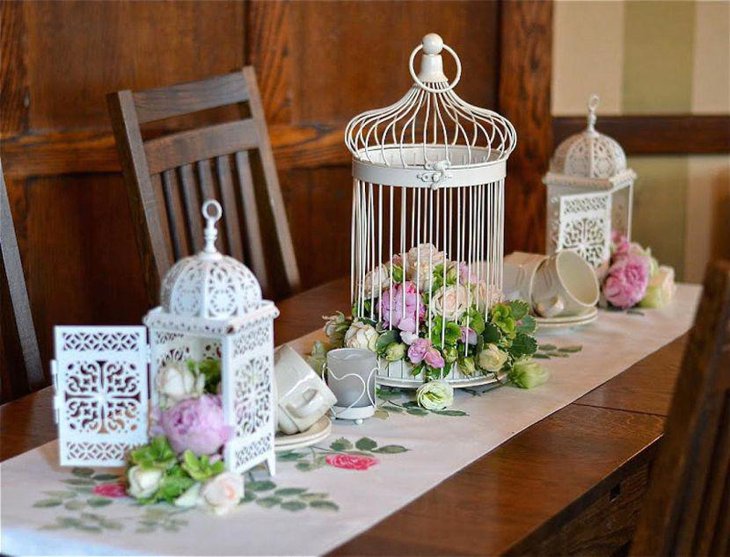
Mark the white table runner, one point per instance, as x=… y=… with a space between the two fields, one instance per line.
x=324 y=496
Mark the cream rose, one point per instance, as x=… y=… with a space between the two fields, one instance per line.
x=450 y=302
x=661 y=288
x=223 y=492
x=422 y=260
x=361 y=335
x=375 y=281
x=435 y=395
x=484 y=297
x=143 y=482
x=175 y=382
x=491 y=358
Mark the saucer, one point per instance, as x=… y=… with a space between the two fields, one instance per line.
x=320 y=430
x=567 y=321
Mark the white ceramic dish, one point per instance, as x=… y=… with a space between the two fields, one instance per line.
x=319 y=431
x=567 y=321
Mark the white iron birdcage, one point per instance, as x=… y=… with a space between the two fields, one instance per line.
x=211 y=308
x=590 y=193
x=428 y=190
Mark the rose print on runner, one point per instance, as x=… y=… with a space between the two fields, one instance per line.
x=351 y=462
x=110 y=490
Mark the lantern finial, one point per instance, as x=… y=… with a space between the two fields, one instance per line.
x=211 y=218
x=593 y=103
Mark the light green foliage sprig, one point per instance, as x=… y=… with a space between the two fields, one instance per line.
x=210 y=368
x=159 y=454
x=200 y=468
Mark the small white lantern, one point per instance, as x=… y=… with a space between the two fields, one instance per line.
x=590 y=193
x=211 y=307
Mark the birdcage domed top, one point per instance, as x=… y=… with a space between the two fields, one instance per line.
x=589 y=154
x=210 y=285
x=431 y=127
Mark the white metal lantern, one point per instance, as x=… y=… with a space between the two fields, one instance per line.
x=590 y=193
x=211 y=307
x=428 y=187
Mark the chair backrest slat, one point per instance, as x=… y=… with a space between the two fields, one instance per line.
x=170 y=175
x=17 y=382
x=688 y=501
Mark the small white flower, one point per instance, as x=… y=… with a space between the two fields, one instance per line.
x=361 y=335
x=408 y=338
x=435 y=395
x=375 y=281
x=223 y=492
x=143 y=482
x=450 y=302
x=175 y=382
x=422 y=260
x=491 y=358
x=481 y=294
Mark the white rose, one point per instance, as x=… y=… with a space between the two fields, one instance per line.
x=175 y=382
x=450 y=302
x=408 y=338
x=481 y=293
x=361 y=335
x=143 y=482
x=661 y=288
x=491 y=358
x=435 y=395
x=421 y=262
x=375 y=281
x=223 y=492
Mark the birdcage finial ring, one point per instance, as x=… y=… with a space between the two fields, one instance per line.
x=448 y=49
x=212 y=211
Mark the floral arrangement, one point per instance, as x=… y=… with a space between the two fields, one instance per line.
x=183 y=464
x=434 y=318
x=634 y=277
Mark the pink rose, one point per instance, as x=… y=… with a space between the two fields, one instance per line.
x=110 y=490
x=465 y=275
x=468 y=335
x=434 y=358
x=196 y=424
x=417 y=351
x=621 y=244
x=351 y=461
x=626 y=282
x=390 y=307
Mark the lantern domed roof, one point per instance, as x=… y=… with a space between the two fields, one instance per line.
x=589 y=154
x=210 y=285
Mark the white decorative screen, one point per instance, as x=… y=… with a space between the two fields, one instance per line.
x=101 y=400
x=248 y=396
x=585 y=225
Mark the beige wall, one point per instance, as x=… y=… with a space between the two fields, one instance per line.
x=670 y=57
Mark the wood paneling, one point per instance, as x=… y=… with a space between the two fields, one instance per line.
x=657 y=135
x=318 y=63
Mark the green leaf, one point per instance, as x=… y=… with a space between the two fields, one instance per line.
x=105 y=477
x=268 y=502
x=381 y=414
x=523 y=345
x=74 y=505
x=547 y=347
x=313 y=496
x=450 y=412
x=265 y=485
x=519 y=308
x=571 y=349
x=341 y=444
x=491 y=333
x=386 y=394
x=289 y=456
x=99 y=502
x=82 y=472
x=417 y=412
x=385 y=339
x=324 y=505
x=293 y=506
x=78 y=481
x=527 y=325
x=43 y=503
x=541 y=356
x=392 y=408
x=61 y=494
x=248 y=496
x=365 y=444
x=304 y=467
x=391 y=449
x=290 y=491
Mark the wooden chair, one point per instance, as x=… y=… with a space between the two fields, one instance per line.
x=17 y=333
x=687 y=506
x=168 y=177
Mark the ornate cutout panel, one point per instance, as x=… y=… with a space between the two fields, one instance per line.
x=101 y=393
x=585 y=226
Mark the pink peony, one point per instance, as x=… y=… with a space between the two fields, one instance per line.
x=391 y=311
x=418 y=349
x=626 y=282
x=434 y=358
x=351 y=461
x=196 y=424
x=110 y=490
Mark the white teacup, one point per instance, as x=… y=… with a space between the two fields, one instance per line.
x=302 y=397
x=519 y=274
x=565 y=284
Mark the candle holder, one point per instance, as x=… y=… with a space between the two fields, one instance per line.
x=350 y=374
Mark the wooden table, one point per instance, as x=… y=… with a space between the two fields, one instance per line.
x=571 y=483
